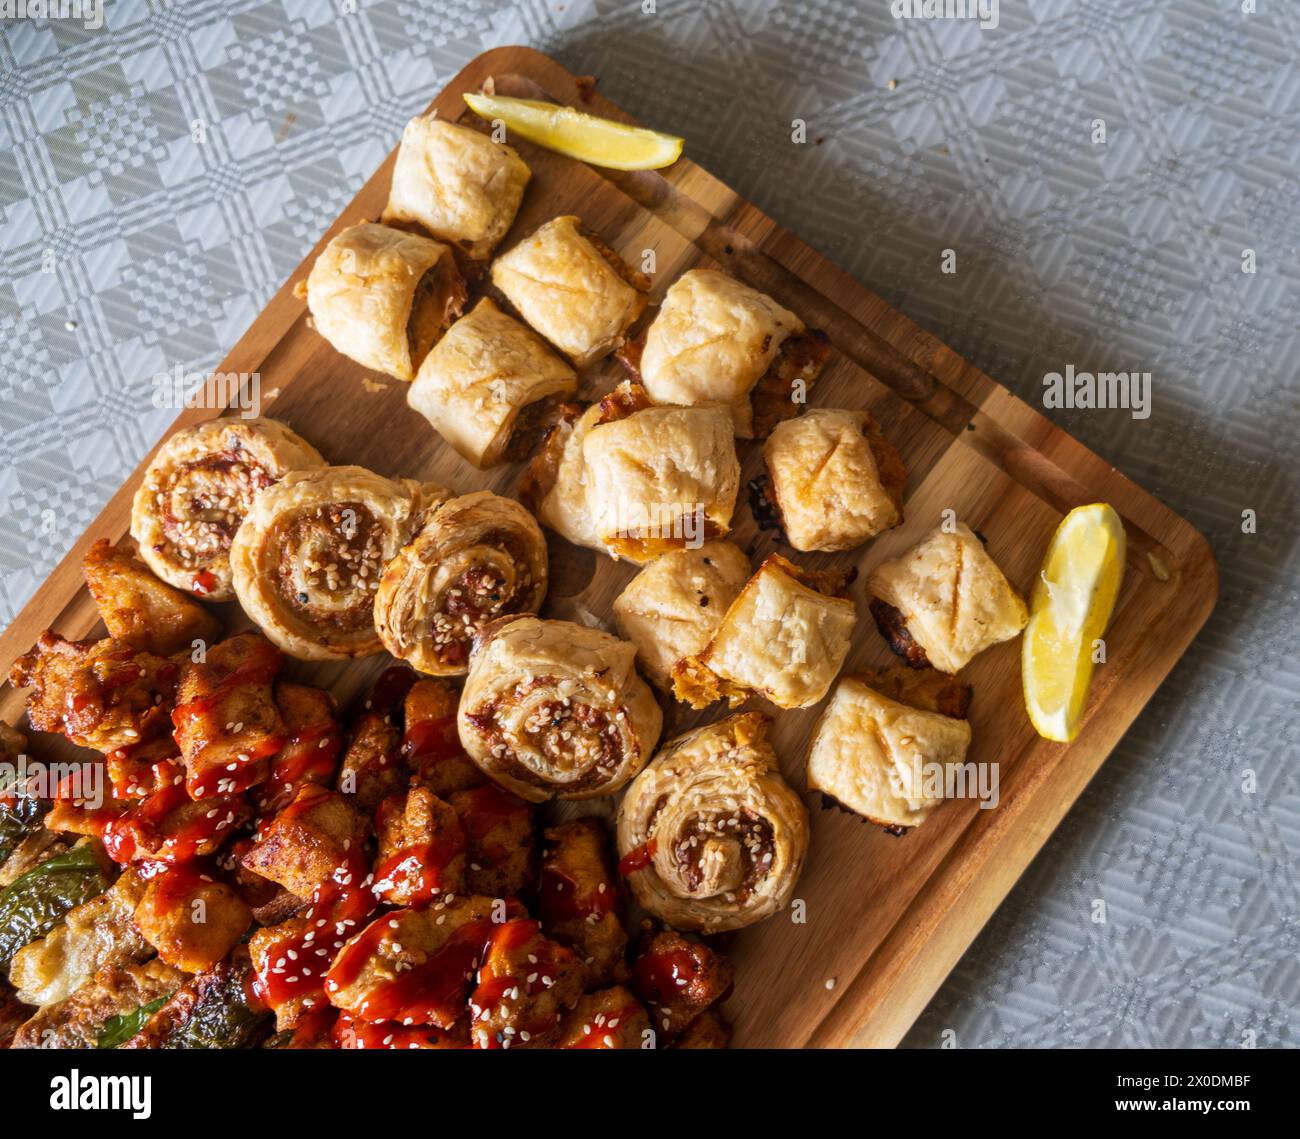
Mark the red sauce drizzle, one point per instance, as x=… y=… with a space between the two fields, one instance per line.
x=204 y=582
x=658 y=977
x=420 y=870
x=638 y=858
x=310 y=756
x=559 y=899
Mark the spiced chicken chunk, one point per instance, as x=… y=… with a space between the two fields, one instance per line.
x=678 y=979
x=421 y=849
x=610 y=1018
x=307 y=841
x=499 y=836
x=578 y=897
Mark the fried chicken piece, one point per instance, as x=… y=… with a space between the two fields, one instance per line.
x=431 y=744
x=708 y=1030
x=169 y=826
x=578 y=897
x=416 y=966
x=311 y=753
x=138 y=608
x=211 y=1010
x=80 y=805
x=134 y=772
x=227 y=723
x=98 y=933
x=502 y=846
x=371 y=769
x=609 y=1018
x=421 y=849
x=78 y=1021
x=307 y=841
x=100 y=694
x=349 y=1032
x=191 y=919
x=526 y=984
x=927 y=689
x=678 y=979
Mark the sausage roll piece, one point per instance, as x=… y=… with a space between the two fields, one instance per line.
x=945 y=601
x=307 y=560
x=554 y=486
x=573 y=288
x=488 y=384
x=834 y=480
x=196 y=491
x=878 y=756
x=710 y=836
x=673 y=607
x=556 y=710
x=478 y=557
x=384 y=297
x=457 y=183
x=658 y=478
x=718 y=343
x=784 y=638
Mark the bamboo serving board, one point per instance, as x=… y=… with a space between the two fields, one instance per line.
x=885 y=918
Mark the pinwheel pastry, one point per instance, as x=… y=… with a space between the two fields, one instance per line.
x=488 y=386
x=710 y=836
x=784 y=638
x=833 y=479
x=384 y=297
x=674 y=605
x=885 y=755
x=307 y=560
x=478 y=557
x=945 y=601
x=457 y=183
x=573 y=288
x=718 y=343
x=196 y=491
x=556 y=710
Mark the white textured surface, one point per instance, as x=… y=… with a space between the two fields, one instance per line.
x=1119 y=256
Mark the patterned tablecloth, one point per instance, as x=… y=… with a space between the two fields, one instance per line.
x=1100 y=169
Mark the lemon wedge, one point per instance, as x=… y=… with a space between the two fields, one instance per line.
x=1070 y=609
x=602 y=142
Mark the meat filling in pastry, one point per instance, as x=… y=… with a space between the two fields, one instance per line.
x=477 y=557
x=834 y=480
x=945 y=601
x=785 y=638
x=308 y=558
x=885 y=758
x=196 y=491
x=457 y=183
x=480 y=379
x=552 y=709
x=716 y=342
x=384 y=297
x=674 y=605
x=710 y=836
x=572 y=288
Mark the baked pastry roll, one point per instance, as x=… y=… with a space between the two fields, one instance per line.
x=710 y=836
x=834 y=480
x=658 y=477
x=785 y=638
x=552 y=709
x=554 y=485
x=384 y=297
x=485 y=382
x=457 y=183
x=674 y=605
x=945 y=601
x=196 y=491
x=718 y=343
x=571 y=287
x=477 y=557
x=878 y=756
x=308 y=558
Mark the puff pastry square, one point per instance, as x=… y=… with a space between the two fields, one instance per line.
x=457 y=183
x=877 y=756
x=712 y=341
x=384 y=297
x=480 y=376
x=572 y=288
x=782 y=638
x=834 y=479
x=674 y=605
x=947 y=598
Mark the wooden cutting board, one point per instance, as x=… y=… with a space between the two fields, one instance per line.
x=886 y=918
